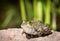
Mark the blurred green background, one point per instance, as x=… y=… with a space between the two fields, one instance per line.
x=13 y=12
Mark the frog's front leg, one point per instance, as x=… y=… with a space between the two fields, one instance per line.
x=24 y=34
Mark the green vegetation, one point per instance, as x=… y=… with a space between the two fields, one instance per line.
x=47 y=12
x=23 y=12
x=37 y=8
x=30 y=9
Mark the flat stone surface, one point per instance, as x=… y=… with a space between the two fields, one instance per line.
x=15 y=34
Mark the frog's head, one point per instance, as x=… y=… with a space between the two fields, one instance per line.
x=26 y=24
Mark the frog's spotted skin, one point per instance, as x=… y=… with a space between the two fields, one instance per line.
x=35 y=27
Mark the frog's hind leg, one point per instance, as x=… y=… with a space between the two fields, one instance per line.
x=28 y=36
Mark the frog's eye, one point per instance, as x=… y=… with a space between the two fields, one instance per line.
x=30 y=22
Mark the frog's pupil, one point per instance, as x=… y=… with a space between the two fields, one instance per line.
x=30 y=22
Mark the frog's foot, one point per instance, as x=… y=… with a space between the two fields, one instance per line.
x=31 y=36
x=24 y=34
x=46 y=33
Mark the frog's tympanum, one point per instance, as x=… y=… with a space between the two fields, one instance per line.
x=35 y=28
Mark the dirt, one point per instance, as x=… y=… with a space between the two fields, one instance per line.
x=15 y=34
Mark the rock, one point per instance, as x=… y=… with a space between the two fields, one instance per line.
x=15 y=34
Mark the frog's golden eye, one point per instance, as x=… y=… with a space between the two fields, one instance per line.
x=30 y=22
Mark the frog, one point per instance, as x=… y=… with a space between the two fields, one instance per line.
x=35 y=28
